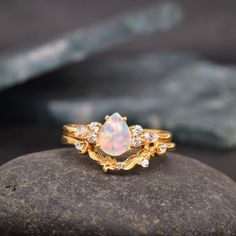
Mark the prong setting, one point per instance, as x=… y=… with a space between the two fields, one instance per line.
x=115 y=138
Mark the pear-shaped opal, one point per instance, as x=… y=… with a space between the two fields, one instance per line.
x=114 y=138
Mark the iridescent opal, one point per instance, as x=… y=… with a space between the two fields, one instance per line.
x=114 y=138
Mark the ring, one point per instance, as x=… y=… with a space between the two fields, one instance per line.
x=114 y=138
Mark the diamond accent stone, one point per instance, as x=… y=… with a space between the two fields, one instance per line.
x=94 y=126
x=144 y=162
x=79 y=145
x=137 y=130
x=163 y=148
x=119 y=165
x=81 y=131
x=115 y=137
x=151 y=137
x=92 y=138
x=137 y=141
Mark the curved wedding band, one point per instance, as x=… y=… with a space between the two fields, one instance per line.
x=114 y=139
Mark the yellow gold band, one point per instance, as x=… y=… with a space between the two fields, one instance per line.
x=70 y=130
x=114 y=138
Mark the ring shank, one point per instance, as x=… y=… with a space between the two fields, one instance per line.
x=69 y=136
x=71 y=140
x=70 y=129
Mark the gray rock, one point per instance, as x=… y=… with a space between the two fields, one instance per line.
x=198 y=104
x=95 y=87
x=79 y=45
x=196 y=100
x=183 y=93
x=58 y=192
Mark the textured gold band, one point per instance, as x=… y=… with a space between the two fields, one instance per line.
x=72 y=140
x=146 y=143
x=70 y=130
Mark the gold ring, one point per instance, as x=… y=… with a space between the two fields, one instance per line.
x=114 y=138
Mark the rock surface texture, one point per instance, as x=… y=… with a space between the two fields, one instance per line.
x=79 y=45
x=193 y=98
x=58 y=192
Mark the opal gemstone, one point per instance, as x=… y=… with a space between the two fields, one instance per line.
x=114 y=138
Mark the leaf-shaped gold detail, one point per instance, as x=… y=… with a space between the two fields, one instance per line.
x=109 y=163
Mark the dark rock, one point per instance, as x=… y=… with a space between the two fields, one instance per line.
x=59 y=193
x=183 y=93
x=95 y=87
x=80 y=44
x=196 y=101
x=198 y=104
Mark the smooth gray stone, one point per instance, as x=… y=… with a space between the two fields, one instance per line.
x=58 y=192
x=79 y=45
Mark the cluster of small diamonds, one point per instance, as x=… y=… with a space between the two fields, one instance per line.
x=139 y=136
x=88 y=133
